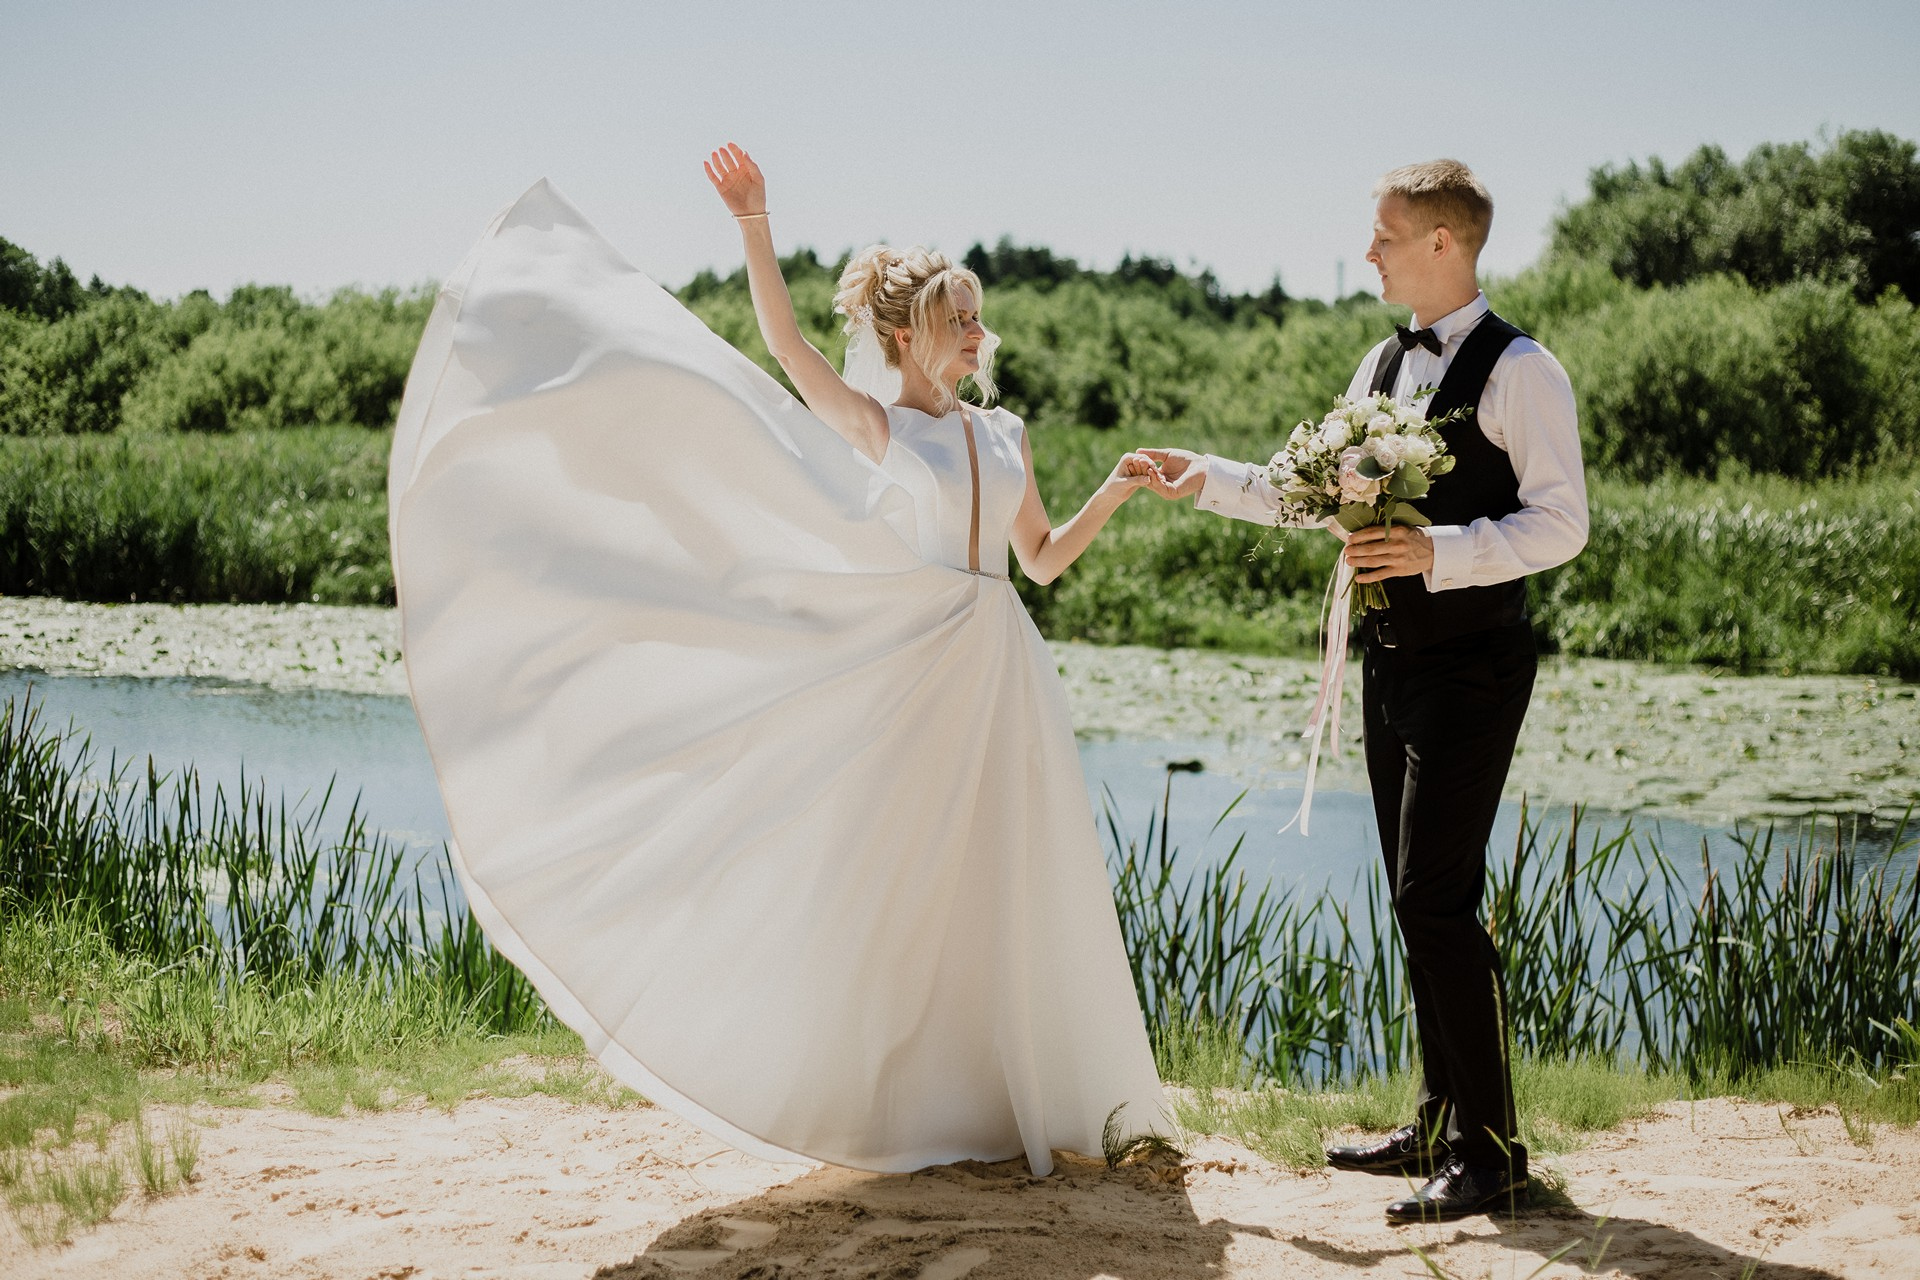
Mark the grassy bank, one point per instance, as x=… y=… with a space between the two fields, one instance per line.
x=101 y=1074
x=267 y=516
x=103 y=1052
x=163 y=944
x=1753 y=573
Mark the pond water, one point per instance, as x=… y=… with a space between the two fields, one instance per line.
x=297 y=742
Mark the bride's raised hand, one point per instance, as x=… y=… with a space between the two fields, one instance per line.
x=738 y=180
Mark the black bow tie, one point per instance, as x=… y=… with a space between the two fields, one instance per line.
x=1411 y=338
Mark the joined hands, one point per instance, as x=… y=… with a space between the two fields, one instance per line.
x=1376 y=553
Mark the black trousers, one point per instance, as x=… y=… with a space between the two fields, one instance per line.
x=1440 y=725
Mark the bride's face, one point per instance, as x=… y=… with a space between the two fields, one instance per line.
x=963 y=339
x=966 y=322
x=972 y=332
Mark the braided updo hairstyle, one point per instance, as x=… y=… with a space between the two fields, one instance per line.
x=913 y=289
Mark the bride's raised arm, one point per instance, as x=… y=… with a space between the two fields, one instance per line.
x=854 y=414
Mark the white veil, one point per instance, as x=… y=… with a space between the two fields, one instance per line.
x=866 y=368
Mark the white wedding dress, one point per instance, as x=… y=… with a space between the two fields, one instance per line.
x=776 y=803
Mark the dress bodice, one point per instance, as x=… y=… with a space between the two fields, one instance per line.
x=928 y=456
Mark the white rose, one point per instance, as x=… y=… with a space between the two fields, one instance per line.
x=1379 y=424
x=1385 y=450
x=1333 y=431
x=1416 y=449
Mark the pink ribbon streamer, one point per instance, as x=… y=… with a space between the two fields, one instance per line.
x=1336 y=624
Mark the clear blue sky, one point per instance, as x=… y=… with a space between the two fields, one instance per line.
x=176 y=145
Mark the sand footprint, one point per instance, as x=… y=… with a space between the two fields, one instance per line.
x=951 y=1266
x=731 y=1236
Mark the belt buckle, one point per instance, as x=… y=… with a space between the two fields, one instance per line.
x=1382 y=631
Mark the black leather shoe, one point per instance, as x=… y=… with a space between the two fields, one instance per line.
x=1400 y=1152
x=1461 y=1190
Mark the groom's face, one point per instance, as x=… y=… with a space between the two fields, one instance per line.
x=1400 y=251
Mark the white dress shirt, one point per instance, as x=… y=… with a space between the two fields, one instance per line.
x=1527 y=411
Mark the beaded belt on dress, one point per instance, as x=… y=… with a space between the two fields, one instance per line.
x=982 y=573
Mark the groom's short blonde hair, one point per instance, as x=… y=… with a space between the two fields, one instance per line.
x=1443 y=193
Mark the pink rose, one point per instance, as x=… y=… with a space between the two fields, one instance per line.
x=1355 y=487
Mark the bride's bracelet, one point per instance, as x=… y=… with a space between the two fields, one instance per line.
x=742 y=217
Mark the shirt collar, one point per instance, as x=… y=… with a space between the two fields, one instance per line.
x=1458 y=322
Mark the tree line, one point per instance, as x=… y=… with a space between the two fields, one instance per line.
x=1755 y=315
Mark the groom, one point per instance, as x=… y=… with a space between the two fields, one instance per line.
x=1449 y=665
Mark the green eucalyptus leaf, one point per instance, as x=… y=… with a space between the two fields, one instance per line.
x=1407 y=481
x=1355 y=516
x=1369 y=468
x=1408 y=516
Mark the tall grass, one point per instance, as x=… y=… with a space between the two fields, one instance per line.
x=1750 y=573
x=252 y=517
x=1793 y=953
x=1669 y=574
x=245 y=891
x=1753 y=573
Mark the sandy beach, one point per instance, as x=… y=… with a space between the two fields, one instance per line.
x=533 y=1187
x=1627 y=737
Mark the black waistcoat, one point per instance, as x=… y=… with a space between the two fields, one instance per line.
x=1482 y=485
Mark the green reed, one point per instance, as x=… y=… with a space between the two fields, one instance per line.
x=1791 y=951
x=269 y=516
x=1794 y=953
x=239 y=887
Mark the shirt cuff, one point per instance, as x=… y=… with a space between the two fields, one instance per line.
x=1452 y=557
x=1223 y=490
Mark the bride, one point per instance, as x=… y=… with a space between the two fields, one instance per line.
x=753 y=761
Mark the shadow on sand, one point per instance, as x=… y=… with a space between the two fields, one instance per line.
x=987 y=1221
x=1591 y=1243
x=966 y=1219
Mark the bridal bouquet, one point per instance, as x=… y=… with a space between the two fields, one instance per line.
x=1360 y=465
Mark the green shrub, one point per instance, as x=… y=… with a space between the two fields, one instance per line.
x=71 y=375
x=1849 y=214
x=1717 y=374
x=265 y=359
x=270 y=362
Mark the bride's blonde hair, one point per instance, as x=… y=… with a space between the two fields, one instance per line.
x=913 y=289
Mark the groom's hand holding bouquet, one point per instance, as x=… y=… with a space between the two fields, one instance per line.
x=1359 y=469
